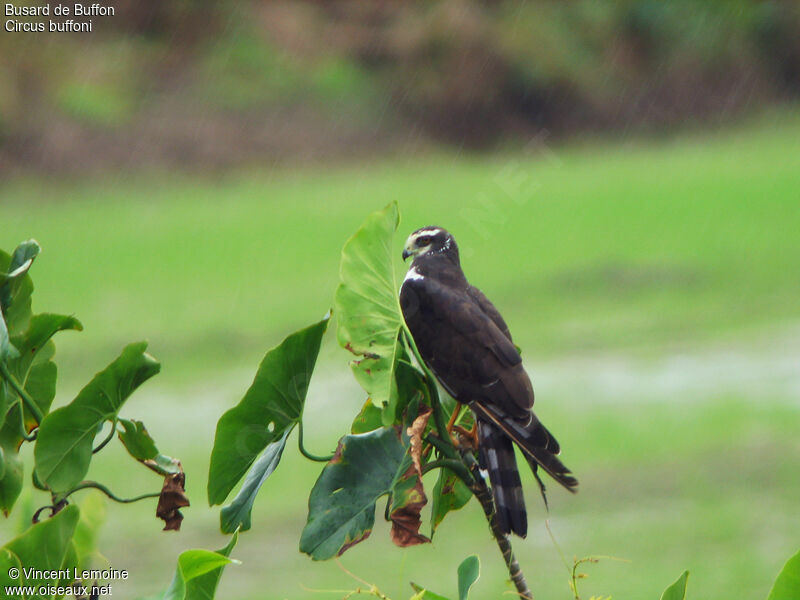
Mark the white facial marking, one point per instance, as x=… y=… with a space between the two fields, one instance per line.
x=424 y=232
x=433 y=231
x=413 y=274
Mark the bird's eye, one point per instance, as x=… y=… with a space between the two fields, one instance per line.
x=423 y=241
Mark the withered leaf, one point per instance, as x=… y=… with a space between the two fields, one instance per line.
x=408 y=498
x=173 y=496
x=408 y=495
x=415 y=433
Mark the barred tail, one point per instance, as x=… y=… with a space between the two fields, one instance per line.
x=537 y=444
x=496 y=455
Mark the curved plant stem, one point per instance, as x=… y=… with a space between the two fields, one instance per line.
x=305 y=452
x=29 y=402
x=455 y=466
x=99 y=486
x=108 y=437
x=53 y=508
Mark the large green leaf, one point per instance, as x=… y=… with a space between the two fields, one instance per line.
x=449 y=493
x=236 y=515
x=64 y=445
x=367 y=307
x=787 y=585
x=193 y=564
x=677 y=591
x=32 y=366
x=341 y=508
x=272 y=406
x=33 y=343
x=468 y=572
x=16 y=288
x=203 y=587
x=43 y=546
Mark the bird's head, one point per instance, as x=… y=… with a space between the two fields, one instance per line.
x=430 y=241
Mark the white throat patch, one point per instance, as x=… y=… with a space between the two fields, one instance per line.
x=413 y=274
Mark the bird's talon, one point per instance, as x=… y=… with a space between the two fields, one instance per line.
x=467 y=437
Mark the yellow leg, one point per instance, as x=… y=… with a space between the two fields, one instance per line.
x=453 y=417
x=470 y=434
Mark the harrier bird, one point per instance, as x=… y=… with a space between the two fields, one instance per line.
x=466 y=344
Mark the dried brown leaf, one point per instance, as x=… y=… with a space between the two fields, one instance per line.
x=415 y=433
x=408 y=495
x=173 y=496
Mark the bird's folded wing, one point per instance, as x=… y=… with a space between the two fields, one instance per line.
x=470 y=354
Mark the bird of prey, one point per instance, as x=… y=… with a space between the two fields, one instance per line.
x=466 y=344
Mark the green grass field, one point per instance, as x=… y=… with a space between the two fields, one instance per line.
x=652 y=285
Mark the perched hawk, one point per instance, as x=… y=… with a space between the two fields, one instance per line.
x=466 y=343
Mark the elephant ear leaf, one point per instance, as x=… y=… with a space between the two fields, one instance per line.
x=64 y=444
x=341 y=508
x=262 y=420
x=43 y=547
x=16 y=286
x=368 y=310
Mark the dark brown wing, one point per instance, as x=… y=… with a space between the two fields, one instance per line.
x=470 y=354
x=489 y=309
x=465 y=341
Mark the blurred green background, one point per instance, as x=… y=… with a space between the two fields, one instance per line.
x=623 y=180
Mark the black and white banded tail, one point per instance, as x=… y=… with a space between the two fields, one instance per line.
x=496 y=455
x=496 y=431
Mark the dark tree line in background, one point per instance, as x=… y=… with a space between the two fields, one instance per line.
x=218 y=83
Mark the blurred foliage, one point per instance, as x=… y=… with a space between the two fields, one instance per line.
x=296 y=78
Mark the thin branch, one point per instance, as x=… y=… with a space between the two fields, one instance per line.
x=108 y=437
x=484 y=496
x=305 y=452
x=29 y=402
x=372 y=591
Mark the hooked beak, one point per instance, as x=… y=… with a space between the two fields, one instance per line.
x=406 y=254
